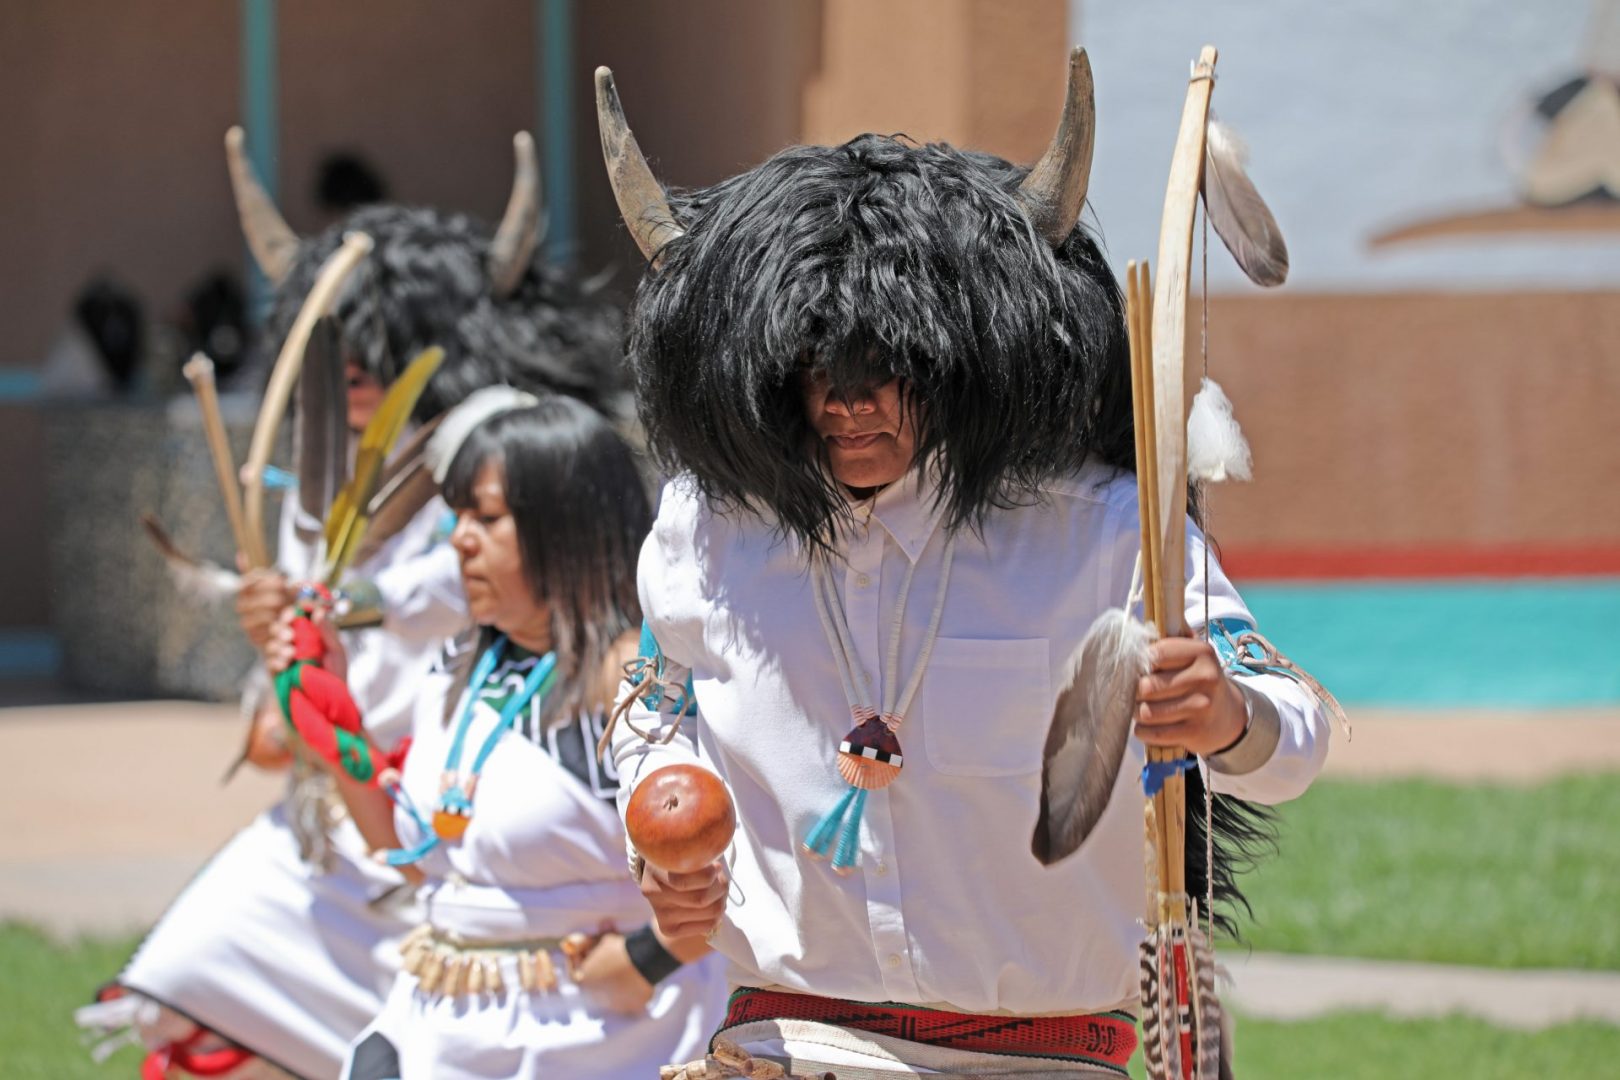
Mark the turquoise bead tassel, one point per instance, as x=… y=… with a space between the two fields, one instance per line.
x=821 y=837
x=412 y=854
x=849 y=838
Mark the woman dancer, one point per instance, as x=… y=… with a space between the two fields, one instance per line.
x=536 y=956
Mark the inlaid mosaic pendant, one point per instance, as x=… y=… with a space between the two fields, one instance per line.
x=869 y=759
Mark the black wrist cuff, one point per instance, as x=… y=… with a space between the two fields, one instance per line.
x=648 y=955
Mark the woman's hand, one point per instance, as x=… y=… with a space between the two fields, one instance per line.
x=260 y=600
x=608 y=978
x=278 y=652
x=1186 y=700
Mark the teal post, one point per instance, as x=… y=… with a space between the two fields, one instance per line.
x=259 y=121
x=554 y=55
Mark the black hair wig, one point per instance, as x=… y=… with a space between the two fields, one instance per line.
x=874 y=259
x=581 y=510
x=426 y=283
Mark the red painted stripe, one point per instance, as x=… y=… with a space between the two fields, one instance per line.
x=1302 y=564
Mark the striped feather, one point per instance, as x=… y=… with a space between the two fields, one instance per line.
x=1214 y=1048
x=1152 y=1026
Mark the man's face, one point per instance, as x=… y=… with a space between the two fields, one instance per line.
x=867 y=432
x=365 y=394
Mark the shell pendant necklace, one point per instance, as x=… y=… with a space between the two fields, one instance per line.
x=869 y=757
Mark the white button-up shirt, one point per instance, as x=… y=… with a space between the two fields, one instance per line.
x=947 y=905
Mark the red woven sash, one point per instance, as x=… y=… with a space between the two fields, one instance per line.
x=1096 y=1038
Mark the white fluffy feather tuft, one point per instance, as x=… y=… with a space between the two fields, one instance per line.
x=464 y=419
x=1216 y=448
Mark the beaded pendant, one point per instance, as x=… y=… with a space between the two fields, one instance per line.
x=454 y=812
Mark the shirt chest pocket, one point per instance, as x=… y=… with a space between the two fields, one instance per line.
x=987 y=705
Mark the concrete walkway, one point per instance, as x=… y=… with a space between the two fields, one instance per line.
x=1300 y=987
x=109 y=809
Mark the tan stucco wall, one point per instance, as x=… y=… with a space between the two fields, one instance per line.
x=1422 y=419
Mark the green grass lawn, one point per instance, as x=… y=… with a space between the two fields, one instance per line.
x=1415 y=870
x=1366 y=1046
x=41 y=982
x=44 y=981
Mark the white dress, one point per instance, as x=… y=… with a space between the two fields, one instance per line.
x=543 y=856
x=286 y=958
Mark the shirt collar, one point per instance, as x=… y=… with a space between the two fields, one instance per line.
x=909 y=510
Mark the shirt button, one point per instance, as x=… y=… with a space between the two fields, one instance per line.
x=882 y=868
x=893 y=960
x=863 y=581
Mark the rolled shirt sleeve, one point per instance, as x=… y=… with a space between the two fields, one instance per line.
x=1286 y=741
x=661 y=730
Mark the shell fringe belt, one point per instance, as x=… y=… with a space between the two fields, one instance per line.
x=447 y=963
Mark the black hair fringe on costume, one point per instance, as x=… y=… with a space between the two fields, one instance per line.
x=877 y=259
x=581 y=510
x=1245 y=835
x=426 y=282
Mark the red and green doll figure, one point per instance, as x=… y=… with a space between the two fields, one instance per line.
x=317 y=705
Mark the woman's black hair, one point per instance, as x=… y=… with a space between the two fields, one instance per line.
x=581 y=510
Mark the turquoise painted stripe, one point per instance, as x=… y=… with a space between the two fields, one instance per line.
x=18 y=384
x=29 y=654
x=1519 y=644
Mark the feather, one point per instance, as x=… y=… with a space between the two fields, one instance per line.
x=1147 y=959
x=1212 y=1030
x=1091 y=724
x=1216 y=448
x=346 y=522
x=407 y=485
x=1237 y=211
x=320 y=427
x=193 y=577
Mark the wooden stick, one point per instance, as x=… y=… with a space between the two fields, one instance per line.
x=1148 y=482
x=199 y=372
x=1139 y=410
x=322 y=296
x=1158 y=811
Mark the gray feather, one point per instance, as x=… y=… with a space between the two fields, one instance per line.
x=1240 y=216
x=320 y=427
x=1091 y=724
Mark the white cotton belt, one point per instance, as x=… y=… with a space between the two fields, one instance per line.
x=487 y=913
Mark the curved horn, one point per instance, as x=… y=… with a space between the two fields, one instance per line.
x=272 y=241
x=519 y=233
x=1055 y=189
x=640 y=197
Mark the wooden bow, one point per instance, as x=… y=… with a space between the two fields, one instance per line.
x=322 y=297
x=1172 y=387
